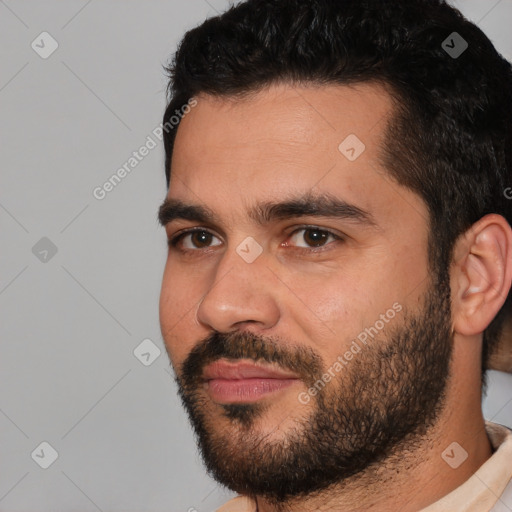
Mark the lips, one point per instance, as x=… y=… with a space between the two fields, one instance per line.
x=244 y=381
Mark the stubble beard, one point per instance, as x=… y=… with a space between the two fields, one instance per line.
x=391 y=393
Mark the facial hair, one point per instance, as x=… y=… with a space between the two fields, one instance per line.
x=392 y=391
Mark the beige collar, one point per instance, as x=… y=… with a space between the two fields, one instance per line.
x=482 y=491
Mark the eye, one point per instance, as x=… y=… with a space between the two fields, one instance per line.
x=195 y=239
x=312 y=237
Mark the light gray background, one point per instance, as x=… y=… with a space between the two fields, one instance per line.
x=69 y=326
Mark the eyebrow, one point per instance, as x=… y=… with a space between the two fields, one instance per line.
x=310 y=205
x=264 y=213
x=172 y=209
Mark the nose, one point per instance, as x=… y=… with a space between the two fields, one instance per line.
x=241 y=295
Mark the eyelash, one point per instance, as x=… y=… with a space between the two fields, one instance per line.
x=176 y=239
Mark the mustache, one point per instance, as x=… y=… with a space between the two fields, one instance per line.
x=300 y=360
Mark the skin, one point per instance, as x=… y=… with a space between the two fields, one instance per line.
x=283 y=142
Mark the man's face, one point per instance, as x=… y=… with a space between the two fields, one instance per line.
x=288 y=235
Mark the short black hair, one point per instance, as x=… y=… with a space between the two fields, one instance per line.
x=450 y=136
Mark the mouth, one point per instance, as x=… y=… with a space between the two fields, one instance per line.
x=244 y=381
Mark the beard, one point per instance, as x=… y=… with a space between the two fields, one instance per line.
x=386 y=399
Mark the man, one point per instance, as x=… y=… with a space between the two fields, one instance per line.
x=339 y=253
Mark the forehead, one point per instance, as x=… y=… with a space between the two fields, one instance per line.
x=286 y=140
x=280 y=118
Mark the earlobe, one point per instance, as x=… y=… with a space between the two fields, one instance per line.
x=483 y=274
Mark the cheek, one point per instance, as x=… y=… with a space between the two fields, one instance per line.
x=179 y=298
x=323 y=307
x=335 y=308
x=331 y=305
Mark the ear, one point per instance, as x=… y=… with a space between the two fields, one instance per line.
x=481 y=274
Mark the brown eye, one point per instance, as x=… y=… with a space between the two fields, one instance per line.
x=312 y=237
x=201 y=239
x=196 y=239
x=315 y=237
